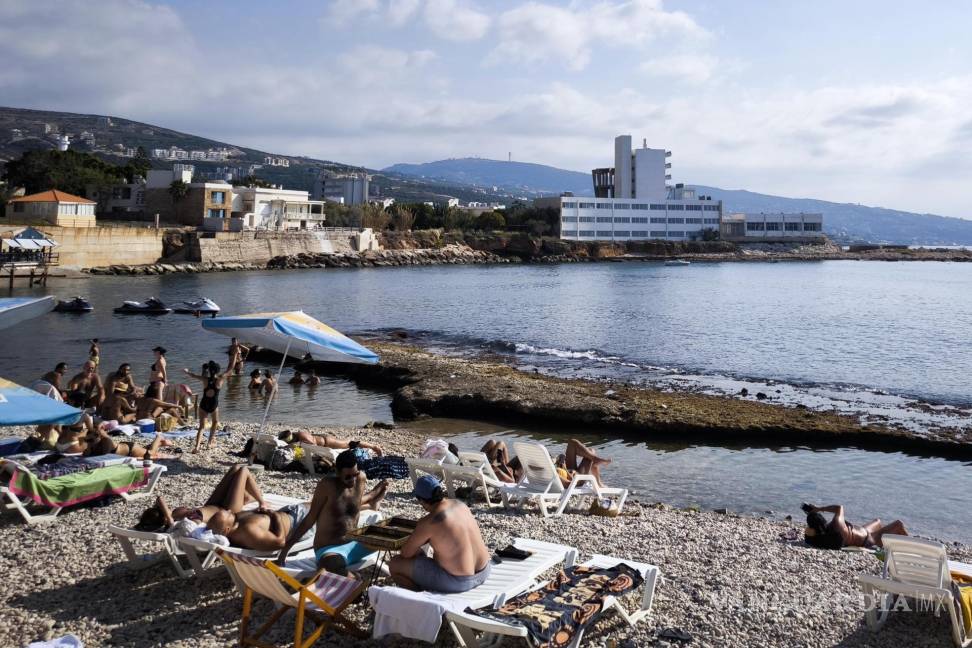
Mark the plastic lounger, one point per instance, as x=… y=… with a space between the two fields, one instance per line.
x=304 y=564
x=28 y=510
x=914 y=569
x=506 y=579
x=165 y=546
x=475 y=471
x=417 y=466
x=541 y=482
x=466 y=626
x=310 y=451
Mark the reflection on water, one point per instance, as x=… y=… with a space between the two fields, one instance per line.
x=928 y=494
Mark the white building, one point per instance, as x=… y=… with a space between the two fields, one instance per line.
x=54 y=207
x=277 y=209
x=346 y=188
x=634 y=202
x=771 y=227
x=269 y=160
x=163 y=178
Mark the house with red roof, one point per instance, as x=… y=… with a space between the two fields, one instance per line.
x=53 y=207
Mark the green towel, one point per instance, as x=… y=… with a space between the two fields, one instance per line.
x=76 y=488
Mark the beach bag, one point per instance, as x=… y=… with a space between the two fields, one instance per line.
x=281 y=458
x=604 y=508
x=165 y=422
x=438 y=450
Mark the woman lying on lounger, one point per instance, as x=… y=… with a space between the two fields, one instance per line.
x=579 y=459
x=99 y=443
x=840 y=533
x=326 y=441
x=236 y=489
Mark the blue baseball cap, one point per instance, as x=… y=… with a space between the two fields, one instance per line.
x=426 y=487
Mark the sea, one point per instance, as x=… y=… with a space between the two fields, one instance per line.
x=882 y=341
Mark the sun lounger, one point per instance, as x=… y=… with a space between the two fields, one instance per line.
x=310 y=451
x=165 y=546
x=303 y=564
x=541 y=482
x=419 y=615
x=321 y=599
x=475 y=471
x=918 y=570
x=418 y=466
x=466 y=626
x=25 y=491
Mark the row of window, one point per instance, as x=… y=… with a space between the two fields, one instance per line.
x=642 y=219
x=655 y=234
x=216 y=213
x=777 y=227
x=640 y=206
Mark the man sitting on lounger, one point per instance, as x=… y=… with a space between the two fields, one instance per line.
x=461 y=560
x=840 y=533
x=334 y=508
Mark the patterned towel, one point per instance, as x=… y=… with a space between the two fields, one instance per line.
x=565 y=605
x=68 y=490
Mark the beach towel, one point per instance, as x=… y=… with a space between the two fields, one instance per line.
x=413 y=615
x=68 y=490
x=962 y=586
x=10 y=446
x=67 y=641
x=384 y=467
x=565 y=605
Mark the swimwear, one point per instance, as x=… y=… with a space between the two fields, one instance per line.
x=64 y=447
x=297 y=513
x=429 y=576
x=352 y=552
x=210 y=399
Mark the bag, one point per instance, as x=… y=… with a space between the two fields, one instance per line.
x=604 y=508
x=165 y=422
x=281 y=458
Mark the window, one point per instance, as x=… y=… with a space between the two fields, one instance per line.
x=639 y=219
x=569 y=219
x=754 y=227
x=215 y=213
x=569 y=205
x=693 y=221
x=657 y=234
x=711 y=221
x=623 y=219
x=639 y=234
x=604 y=233
x=676 y=207
x=693 y=207
x=641 y=206
x=657 y=207
x=621 y=206
x=811 y=227
x=710 y=207
x=566 y=232
x=658 y=220
x=218 y=197
x=604 y=219
x=586 y=233
x=675 y=234
x=621 y=233
x=604 y=205
x=773 y=227
x=676 y=221
x=585 y=219
x=586 y=205
x=792 y=227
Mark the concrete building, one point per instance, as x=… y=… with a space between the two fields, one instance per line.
x=633 y=201
x=345 y=188
x=120 y=201
x=277 y=209
x=269 y=160
x=771 y=228
x=53 y=207
x=163 y=178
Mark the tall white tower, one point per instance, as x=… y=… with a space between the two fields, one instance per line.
x=623 y=184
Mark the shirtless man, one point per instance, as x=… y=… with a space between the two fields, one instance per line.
x=118 y=408
x=55 y=377
x=86 y=388
x=237 y=354
x=334 y=508
x=261 y=530
x=461 y=560
x=840 y=533
x=122 y=376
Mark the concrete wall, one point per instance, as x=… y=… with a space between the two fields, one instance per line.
x=90 y=247
x=260 y=247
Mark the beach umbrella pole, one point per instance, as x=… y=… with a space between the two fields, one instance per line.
x=266 y=412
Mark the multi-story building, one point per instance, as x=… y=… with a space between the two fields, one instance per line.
x=633 y=201
x=276 y=161
x=276 y=209
x=346 y=188
x=771 y=228
x=120 y=201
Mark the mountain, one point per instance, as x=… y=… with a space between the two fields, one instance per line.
x=842 y=221
x=520 y=178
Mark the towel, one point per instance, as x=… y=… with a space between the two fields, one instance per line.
x=67 y=641
x=68 y=490
x=962 y=585
x=414 y=615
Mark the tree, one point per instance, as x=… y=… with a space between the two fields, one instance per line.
x=253 y=181
x=139 y=165
x=374 y=216
x=710 y=234
x=178 y=190
x=489 y=221
x=402 y=218
x=70 y=171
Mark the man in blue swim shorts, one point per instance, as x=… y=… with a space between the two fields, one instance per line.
x=461 y=560
x=334 y=508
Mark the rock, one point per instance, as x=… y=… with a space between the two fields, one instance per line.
x=761 y=396
x=744 y=392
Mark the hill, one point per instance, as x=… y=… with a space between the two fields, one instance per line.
x=842 y=221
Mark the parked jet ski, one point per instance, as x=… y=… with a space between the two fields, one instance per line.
x=76 y=305
x=150 y=306
x=198 y=306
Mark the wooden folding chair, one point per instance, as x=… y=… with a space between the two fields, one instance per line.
x=322 y=599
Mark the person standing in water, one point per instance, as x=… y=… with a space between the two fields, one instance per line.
x=94 y=353
x=237 y=354
x=209 y=403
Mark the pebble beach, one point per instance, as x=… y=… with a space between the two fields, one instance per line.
x=726 y=580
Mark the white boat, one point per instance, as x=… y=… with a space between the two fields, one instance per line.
x=199 y=305
x=677 y=262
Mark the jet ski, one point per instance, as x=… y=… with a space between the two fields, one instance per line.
x=150 y=306
x=76 y=305
x=198 y=306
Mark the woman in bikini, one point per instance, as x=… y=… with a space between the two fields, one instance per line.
x=102 y=444
x=158 y=372
x=209 y=403
x=840 y=533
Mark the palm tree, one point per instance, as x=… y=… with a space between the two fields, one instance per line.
x=178 y=190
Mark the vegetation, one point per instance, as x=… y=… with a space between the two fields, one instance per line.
x=69 y=171
x=178 y=190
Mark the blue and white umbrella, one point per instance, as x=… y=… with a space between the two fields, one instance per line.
x=22 y=406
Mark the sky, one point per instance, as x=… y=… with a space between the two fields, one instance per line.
x=865 y=102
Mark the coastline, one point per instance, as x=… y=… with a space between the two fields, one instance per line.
x=727 y=580
x=484 y=388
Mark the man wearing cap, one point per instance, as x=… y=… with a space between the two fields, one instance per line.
x=461 y=560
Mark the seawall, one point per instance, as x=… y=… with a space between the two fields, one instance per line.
x=86 y=247
x=257 y=247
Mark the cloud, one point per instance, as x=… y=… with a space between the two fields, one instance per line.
x=689 y=68
x=878 y=115
x=342 y=12
x=537 y=32
x=401 y=11
x=455 y=20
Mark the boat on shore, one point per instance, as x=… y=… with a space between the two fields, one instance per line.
x=150 y=306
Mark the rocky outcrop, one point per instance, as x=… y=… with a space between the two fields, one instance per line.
x=447 y=255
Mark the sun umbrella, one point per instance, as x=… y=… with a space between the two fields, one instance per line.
x=18 y=309
x=22 y=406
x=293 y=333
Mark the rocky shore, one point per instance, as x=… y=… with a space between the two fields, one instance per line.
x=728 y=581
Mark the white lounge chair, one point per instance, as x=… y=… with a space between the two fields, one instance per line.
x=418 y=466
x=541 y=482
x=310 y=451
x=396 y=609
x=475 y=471
x=466 y=626
x=915 y=569
x=165 y=546
x=29 y=509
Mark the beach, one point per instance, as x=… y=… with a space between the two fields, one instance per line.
x=726 y=580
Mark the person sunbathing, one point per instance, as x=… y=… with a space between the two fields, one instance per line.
x=460 y=559
x=334 y=509
x=236 y=489
x=326 y=441
x=100 y=443
x=579 y=459
x=261 y=530
x=499 y=459
x=840 y=533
